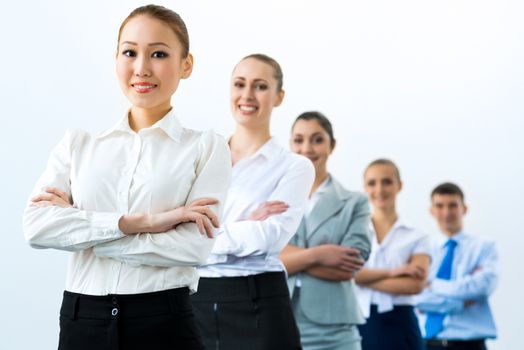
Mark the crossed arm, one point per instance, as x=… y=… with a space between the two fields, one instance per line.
x=170 y=238
x=404 y=280
x=334 y=262
x=327 y=261
x=449 y=296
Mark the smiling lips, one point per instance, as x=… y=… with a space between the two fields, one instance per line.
x=247 y=109
x=143 y=87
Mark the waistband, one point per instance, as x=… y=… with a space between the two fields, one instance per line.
x=112 y=306
x=450 y=343
x=374 y=307
x=253 y=287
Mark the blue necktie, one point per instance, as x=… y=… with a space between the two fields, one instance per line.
x=435 y=320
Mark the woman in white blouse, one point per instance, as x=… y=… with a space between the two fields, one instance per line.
x=145 y=195
x=396 y=269
x=243 y=300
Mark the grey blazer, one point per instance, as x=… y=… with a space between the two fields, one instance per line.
x=339 y=217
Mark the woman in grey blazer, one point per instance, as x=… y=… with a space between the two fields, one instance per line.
x=331 y=244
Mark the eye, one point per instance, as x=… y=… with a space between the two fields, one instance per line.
x=238 y=84
x=371 y=183
x=159 y=54
x=387 y=181
x=298 y=141
x=129 y=53
x=261 y=87
x=318 y=140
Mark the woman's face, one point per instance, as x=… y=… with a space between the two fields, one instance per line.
x=382 y=186
x=311 y=140
x=254 y=93
x=149 y=62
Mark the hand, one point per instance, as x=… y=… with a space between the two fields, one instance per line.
x=344 y=258
x=52 y=196
x=197 y=212
x=408 y=270
x=268 y=209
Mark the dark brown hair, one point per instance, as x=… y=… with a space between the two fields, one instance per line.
x=277 y=70
x=384 y=161
x=169 y=17
x=448 y=188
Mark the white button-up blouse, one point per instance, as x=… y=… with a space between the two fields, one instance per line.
x=118 y=172
x=247 y=247
x=398 y=246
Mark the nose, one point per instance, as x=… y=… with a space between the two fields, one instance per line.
x=247 y=93
x=308 y=147
x=142 y=67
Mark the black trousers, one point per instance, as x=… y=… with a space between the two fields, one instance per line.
x=246 y=313
x=158 y=320
x=455 y=345
x=397 y=329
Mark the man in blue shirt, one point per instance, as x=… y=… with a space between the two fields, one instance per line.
x=454 y=309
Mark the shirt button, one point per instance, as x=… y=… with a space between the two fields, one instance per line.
x=114 y=312
x=114 y=301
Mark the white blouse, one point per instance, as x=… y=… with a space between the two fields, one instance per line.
x=246 y=247
x=398 y=246
x=119 y=172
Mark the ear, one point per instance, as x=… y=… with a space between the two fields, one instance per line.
x=280 y=98
x=465 y=209
x=431 y=211
x=333 y=144
x=187 y=66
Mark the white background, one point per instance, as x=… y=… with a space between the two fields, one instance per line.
x=437 y=86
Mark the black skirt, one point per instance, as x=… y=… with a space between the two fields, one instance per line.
x=158 y=320
x=246 y=313
x=397 y=329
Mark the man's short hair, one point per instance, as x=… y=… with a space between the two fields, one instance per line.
x=448 y=188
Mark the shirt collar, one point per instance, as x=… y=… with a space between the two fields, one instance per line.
x=398 y=224
x=458 y=237
x=268 y=150
x=169 y=124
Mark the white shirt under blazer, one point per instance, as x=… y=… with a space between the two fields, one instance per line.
x=119 y=172
x=396 y=249
x=246 y=247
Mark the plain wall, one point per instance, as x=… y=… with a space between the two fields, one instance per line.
x=437 y=86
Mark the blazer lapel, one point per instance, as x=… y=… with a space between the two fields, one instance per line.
x=301 y=234
x=329 y=204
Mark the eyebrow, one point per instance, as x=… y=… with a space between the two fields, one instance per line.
x=151 y=44
x=255 y=80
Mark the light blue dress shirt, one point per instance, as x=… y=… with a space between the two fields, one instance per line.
x=464 y=298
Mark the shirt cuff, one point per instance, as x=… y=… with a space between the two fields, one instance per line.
x=103 y=227
x=223 y=244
